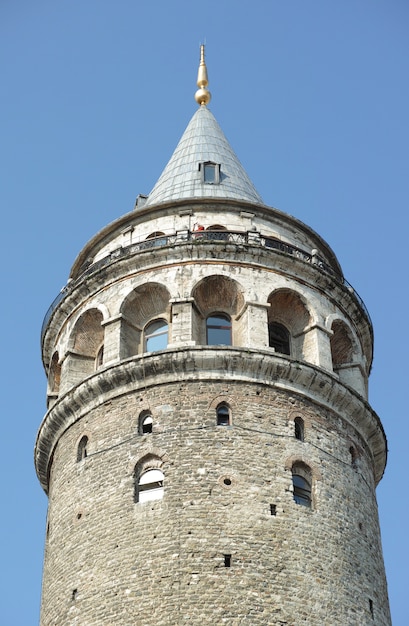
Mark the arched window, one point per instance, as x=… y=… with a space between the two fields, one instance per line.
x=215 y=233
x=278 y=338
x=299 y=428
x=156 y=335
x=145 y=423
x=218 y=330
x=150 y=486
x=223 y=415
x=302 y=484
x=82 y=449
x=156 y=239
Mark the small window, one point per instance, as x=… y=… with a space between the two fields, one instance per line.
x=279 y=338
x=227 y=560
x=302 y=485
x=218 y=330
x=354 y=457
x=150 y=486
x=82 y=449
x=223 y=415
x=210 y=173
x=299 y=428
x=146 y=424
x=156 y=336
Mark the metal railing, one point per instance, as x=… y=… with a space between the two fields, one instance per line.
x=249 y=238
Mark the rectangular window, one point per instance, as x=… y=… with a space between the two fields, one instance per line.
x=210 y=173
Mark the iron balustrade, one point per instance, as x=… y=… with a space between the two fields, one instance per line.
x=250 y=238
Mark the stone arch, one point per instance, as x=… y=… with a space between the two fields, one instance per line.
x=145 y=422
x=217 y=295
x=303 y=460
x=346 y=356
x=82 y=448
x=149 y=464
x=224 y=398
x=342 y=345
x=88 y=333
x=85 y=342
x=289 y=312
x=145 y=304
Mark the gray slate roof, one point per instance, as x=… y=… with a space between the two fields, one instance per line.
x=202 y=141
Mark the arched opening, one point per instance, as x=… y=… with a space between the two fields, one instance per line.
x=88 y=334
x=223 y=415
x=218 y=300
x=85 y=342
x=82 y=452
x=302 y=482
x=288 y=317
x=145 y=423
x=347 y=358
x=341 y=344
x=149 y=479
x=145 y=320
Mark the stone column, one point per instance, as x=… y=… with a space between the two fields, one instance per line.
x=252 y=325
x=112 y=334
x=182 y=332
x=316 y=346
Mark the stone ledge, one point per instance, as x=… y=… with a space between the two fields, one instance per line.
x=210 y=363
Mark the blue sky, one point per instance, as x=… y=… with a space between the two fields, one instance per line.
x=314 y=98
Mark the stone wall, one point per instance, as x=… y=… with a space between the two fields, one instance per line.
x=111 y=560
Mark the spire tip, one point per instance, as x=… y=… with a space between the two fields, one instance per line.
x=202 y=95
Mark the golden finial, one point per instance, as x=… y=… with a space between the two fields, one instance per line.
x=202 y=95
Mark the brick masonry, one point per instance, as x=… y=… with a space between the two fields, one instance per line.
x=163 y=562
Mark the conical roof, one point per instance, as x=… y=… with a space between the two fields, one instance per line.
x=203 y=142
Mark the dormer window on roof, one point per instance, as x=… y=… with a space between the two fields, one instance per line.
x=210 y=172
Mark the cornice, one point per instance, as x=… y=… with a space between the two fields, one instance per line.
x=210 y=364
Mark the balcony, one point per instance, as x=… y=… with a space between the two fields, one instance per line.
x=248 y=238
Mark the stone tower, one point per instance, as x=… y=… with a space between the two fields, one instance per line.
x=208 y=451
